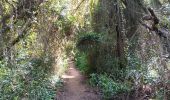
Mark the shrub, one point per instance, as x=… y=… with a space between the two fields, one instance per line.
x=29 y=81
x=108 y=87
x=88 y=42
x=81 y=62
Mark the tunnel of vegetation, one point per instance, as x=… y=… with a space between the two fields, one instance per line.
x=122 y=46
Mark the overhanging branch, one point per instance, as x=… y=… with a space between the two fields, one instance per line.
x=78 y=6
x=154 y=25
x=21 y=34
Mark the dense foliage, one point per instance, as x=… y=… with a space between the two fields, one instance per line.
x=122 y=46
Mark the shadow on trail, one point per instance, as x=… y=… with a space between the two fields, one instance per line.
x=75 y=87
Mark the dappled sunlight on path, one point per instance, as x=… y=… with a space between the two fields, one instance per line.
x=75 y=87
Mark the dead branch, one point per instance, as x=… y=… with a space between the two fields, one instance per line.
x=154 y=25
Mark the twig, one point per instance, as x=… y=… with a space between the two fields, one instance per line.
x=78 y=6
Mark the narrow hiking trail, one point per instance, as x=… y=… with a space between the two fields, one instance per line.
x=75 y=86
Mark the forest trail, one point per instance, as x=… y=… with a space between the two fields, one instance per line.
x=75 y=87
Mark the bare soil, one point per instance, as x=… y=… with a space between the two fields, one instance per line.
x=75 y=86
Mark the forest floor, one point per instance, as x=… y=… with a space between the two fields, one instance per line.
x=75 y=86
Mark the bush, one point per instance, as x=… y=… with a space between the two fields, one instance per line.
x=29 y=81
x=108 y=87
x=88 y=42
x=81 y=62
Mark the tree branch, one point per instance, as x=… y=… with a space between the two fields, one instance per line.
x=153 y=26
x=78 y=6
x=21 y=34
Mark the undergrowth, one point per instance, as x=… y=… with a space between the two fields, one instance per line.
x=81 y=62
x=108 y=87
x=30 y=81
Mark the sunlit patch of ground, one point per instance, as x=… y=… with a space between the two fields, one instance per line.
x=75 y=87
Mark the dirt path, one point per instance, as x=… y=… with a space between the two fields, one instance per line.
x=75 y=87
